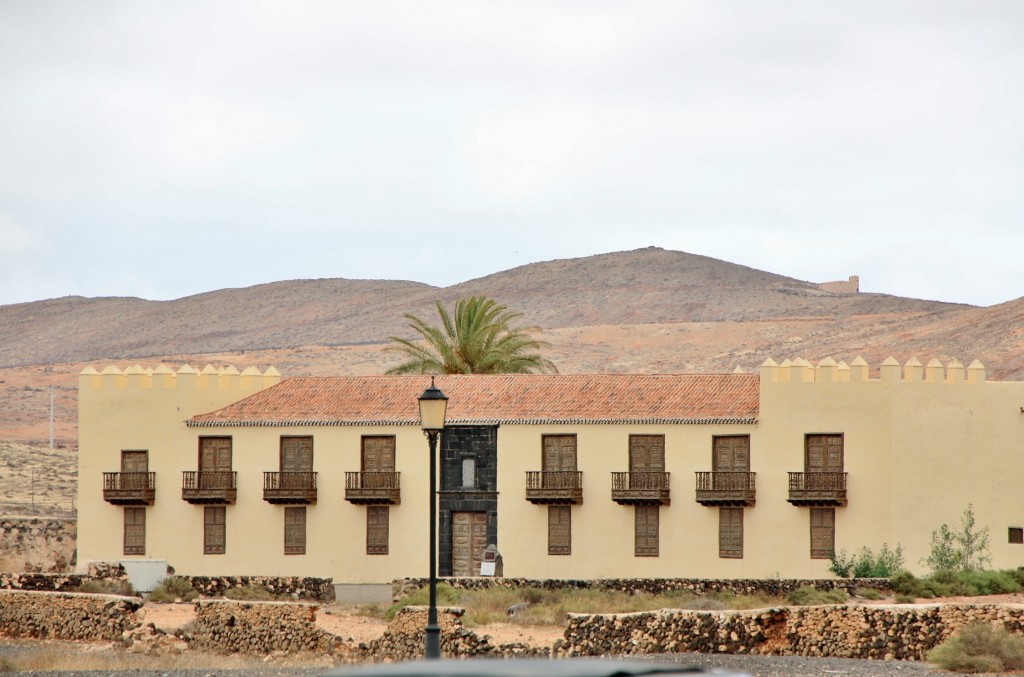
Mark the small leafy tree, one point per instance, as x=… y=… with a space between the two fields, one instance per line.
x=963 y=550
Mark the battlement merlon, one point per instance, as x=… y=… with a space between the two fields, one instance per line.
x=828 y=370
x=246 y=382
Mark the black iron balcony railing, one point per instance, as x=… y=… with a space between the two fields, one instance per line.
x=554 y=486
x=296 y=487
x=129 y=488
x=209 y=487
x=817 y=488
x=373 y=488
x=631 y=488
x=726 y=488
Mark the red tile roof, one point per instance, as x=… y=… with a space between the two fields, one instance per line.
x=505 y=398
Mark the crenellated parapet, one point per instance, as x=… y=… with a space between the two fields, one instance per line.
x=799 y=370
x=227 y=378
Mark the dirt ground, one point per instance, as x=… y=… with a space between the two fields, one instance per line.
x=342 y=620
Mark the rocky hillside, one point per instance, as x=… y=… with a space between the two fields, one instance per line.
x=646 y=286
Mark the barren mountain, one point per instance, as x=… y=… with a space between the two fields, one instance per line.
x=646 y=286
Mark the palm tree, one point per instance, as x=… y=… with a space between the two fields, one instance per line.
x=479 y=340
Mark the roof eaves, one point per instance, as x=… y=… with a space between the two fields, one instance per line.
x=285 y=423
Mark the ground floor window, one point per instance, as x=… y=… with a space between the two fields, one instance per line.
x=214 y=530
x=135 y=531
x=646 y=533
x=377 y=529
x=1016 y=534
x=559 y=530
x=823 y=532
x=295 y=531
x=730 y=532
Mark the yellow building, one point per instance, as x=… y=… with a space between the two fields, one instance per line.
x=570 y=476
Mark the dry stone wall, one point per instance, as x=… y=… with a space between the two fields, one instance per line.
x=880 y=632
x=319 y=589
x=260 y=628
x=741 y=586
x=63 y=582
x=66 y=615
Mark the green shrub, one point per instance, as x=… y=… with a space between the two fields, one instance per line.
x=903 y=598
x=868 y=593
x=446 y=596
x=808 y=596
x=980 y=647
x=866 y=564
x=106 y=586
x=991 y=582
x=172 y=589
x=251 y=593
x=906 y=583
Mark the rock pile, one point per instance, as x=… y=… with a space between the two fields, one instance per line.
x=880 y=632
x=66 y=615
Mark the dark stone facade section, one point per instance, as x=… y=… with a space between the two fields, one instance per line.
x=459 y=443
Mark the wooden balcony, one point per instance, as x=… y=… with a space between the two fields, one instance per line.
x=373 y=488
x=129 y=488
x=554 y=487
x=640 y=488
x=209 y=488
x=289 y=488
x=726 y=488
x=817 y=488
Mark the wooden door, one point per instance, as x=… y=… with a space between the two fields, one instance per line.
x=731 y=454
x=296 y=454
x=559 y=453
x=214 y=462
x=215 y=454
x=469 y=540
x=824 y=453
x=295 y=531
x=378 y=454
x=647 y=453
x=134 y=470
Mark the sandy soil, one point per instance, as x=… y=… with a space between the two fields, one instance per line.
x=342 y=620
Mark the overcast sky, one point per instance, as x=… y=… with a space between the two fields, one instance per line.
x=162 y=149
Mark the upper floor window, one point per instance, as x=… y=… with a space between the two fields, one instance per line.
x=296 y=454
x=469 y=472
x=823 y=453
x=558 y=453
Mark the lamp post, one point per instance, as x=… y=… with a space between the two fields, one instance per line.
x=433 y=404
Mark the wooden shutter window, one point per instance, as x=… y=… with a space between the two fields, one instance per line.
x=559 y=530
x=646 y=535
x=296 y=454
x=135 y=531
x=377 y=530
x=823 y=532
x=731 y=453
x=647 y=453
x=295 y=531
x=558 y=453
x=1016 y=534
x=730 y=533
x=214 y=530
x=824 y=453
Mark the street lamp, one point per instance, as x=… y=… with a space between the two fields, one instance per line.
x=433 y=404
